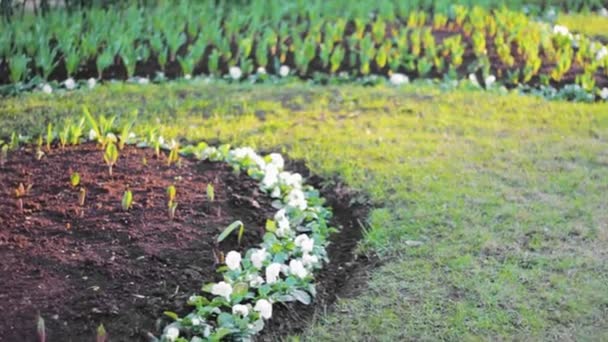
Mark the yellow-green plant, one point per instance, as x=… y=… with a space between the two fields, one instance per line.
x=75 y=179
x=110 y=156
x=127 y=200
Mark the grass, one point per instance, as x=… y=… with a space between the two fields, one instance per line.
x=589 y=24
x=506 y=193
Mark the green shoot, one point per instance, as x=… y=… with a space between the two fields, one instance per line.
x=110 y=156
x=173 y=155
x=94 y=126
x=172 y=207
x=82 y=195
x=127 y=200
x=39 y=153
x=171 y=204
x=76 y=132
x=232 y=227
x=41 y=330
x=157 y=143
x=144 y=161
x=102 y=336
x=3 y=154
x=14 y=143
x=64 y=135
x=75 y=179
x=124 y=136
x=49 y=136
x=210 y=192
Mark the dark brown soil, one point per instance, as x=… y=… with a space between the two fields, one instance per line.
x=82 y=266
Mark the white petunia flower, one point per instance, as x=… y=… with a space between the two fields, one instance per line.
x=490 y=80
x=187 y=77
x=91 y=82
x=603 y=12
x=293 y=180
x=309 y=260
x=296 y=267
x=264 y=307
x=240 y=309
x=233 y=260
x=474 y=80
x=256 y=281
x=222 y=289
x=195 y=321
x=47 y=89
x=271 y=176
x=143 y=80
x=276 y=192
x=559 y=29
x=604 y=93
x=284 y=71
x=258 y=257
x=277 y=160
x=261 y=70
x=69 y=84
x=283 y=226
x=235 y=73
x=398 y=79
x=297 y=199
x=172 y=333
x=601 y=54
x=305 y=243
x=92 y=134
x=272 y=273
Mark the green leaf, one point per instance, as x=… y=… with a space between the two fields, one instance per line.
x=232 y=227
x=302 y=296
x=171 y=314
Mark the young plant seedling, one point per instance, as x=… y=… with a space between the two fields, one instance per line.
x=49 y=137
x=127 y=200
x=110 y=156
x=124 y=136
x=82 y=195
x=144 y=161
x=75 y=179
x=40 y=329
x=232 y=227
x=171 y=204
x=173 y=154
x=3 y=154
x=20 y=192
x=210 y=192
x=102 y=336
x=39 y=152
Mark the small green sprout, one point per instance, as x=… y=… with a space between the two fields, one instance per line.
x=64 y=135
x=124 y=136
x=3 y=154
x=102 y=336
x=110 y=156
x=14 y=143
x=144 y=161
x=232 y=227
x=75 y=179
x=49 y=136
x=40 y=328
x=171 y=204
x=82 y=195
x=172 y=208
x=76 y=131
x=127 y=200
x=39 y=152
x=210 y=192
x=171 y=193
x=173 y=154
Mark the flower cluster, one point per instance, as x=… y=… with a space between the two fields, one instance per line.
x=280 y=269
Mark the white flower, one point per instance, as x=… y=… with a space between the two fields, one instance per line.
x=264 y=307
x=296 y=199
x=92 y=134
x=398 y=79
x=309 y=260
x=473 y=80
x=187 y=76
x=284 y=71
x=69 y=84
x=233 y=260
x=293 y=180
x=91 y=82
x=111 y=137
x=559 y=29
x=601 y=54
x=172 y=333
x=258 y=257
x=47 y=89
x=305 y=243
x=143 y=80
x=272 y=273
x=276 y=192
x=603 y=12
x=604 y=94
x=222 y=289
x=195 y=321
x=235 y=73
x=277 y=160
x=256 y=281
x=490 y=80
x=271 y=176
x=282 y=221
x=262 y=70
x=296 y=267
x=240 y=309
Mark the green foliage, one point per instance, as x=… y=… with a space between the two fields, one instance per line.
x=231 y=228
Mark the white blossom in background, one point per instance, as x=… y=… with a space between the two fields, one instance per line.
x=297 y=199
x=233 y=260
x=277 y=160
x=256 y=281
x=490 y=80
x=560 y=29
x=47 y=89
x=474 y=80
x=296 y=267
x=258 y=257
x=261 y=70
x=69 y=84
x=309 y=260
x=398 y=79
x=240 y=309
x=604 y=93
x=601 y=54
x=283 y=226
x=222 y=289
x=305 y=243
x=195 y=321
x=271 y=177
x=293 y=180
x=272 y=273
x=603 y=12
x=276 y=192
x=92 y=134
x=284 y=71
x=264 y=307
x=235 y=73
x=172 y=333
x=91 y=83
x=187 y=77
x=111 y=137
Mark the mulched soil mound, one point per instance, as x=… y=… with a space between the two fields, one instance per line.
x=82 y=266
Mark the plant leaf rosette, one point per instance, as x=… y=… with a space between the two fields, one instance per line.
x=280 y=269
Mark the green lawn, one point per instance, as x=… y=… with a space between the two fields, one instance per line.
x=509 y=195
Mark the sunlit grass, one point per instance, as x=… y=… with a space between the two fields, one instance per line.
x=507 y=194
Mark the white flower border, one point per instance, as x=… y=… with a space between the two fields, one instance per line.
x=280 y=269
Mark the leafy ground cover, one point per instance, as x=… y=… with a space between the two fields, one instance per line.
x=589 y=24
x=490 y=217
